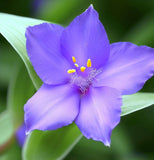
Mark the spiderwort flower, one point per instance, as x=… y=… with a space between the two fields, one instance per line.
x=83 y=76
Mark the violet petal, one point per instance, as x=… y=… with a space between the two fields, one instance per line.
x=99 y=113
x=86 y=38
x=128 y=68
x=21 y=135
x=43 y=47
x=51 y=107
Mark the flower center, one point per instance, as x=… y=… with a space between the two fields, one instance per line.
x=82 y=77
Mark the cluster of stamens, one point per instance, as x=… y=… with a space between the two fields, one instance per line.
x=82 y=68
x=83 y=81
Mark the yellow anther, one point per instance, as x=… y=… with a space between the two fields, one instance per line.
x=89 y=63
x=73 y=59
x=76 y=65
x=82 y=68
x=71 y=71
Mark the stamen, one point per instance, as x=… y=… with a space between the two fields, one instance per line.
x=89 y=63
x=71 y=71
x=76 y=65
x=82 y=68
x=73 y=59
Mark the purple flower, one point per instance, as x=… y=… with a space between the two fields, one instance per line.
x=20 y=135
x=84 y=76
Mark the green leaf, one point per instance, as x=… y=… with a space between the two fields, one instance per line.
x=51 y=145
x=6 y=129
x=135 y=102
x=20 y=90
x=13 y=29
x=7 y=59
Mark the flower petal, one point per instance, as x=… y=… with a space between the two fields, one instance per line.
x=86 y=38
x=21 y=135
x=128 y=68
x=51 y=107
x=99 y=113
x=43 y=47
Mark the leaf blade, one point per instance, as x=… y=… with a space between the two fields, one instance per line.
x=20 y=90
x=13 y=29
x=137 y=101
x=61 y=142
x=6 y=128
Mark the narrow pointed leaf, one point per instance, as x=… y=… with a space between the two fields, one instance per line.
x=13 y=29
x=135 y=102
x=20 y=90
x=6 y=129
x=51 y=145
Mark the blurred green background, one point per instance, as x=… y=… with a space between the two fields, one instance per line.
x=124 y=20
